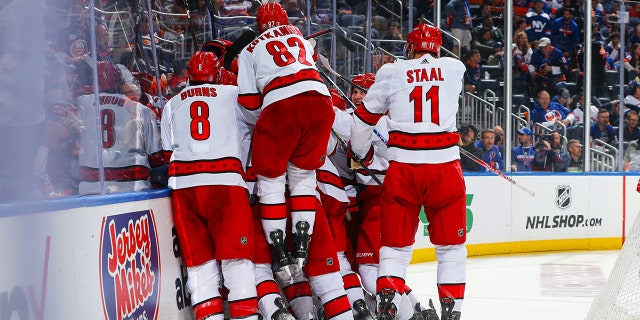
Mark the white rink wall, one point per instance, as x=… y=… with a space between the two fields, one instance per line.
x=59 y=260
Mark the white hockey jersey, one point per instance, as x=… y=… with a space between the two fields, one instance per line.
x=279 y=64
x=421 y=98
x=200 y=130
x=129 y=140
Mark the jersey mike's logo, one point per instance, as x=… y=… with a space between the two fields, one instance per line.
x=563 y=197
x=130 y=266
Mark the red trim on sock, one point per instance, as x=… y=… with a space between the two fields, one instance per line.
x=389 y=282
x=451 y=290
x=207 y=308
x=243 y=308
x=267 y=287
x=336 y=307
x=351 y=281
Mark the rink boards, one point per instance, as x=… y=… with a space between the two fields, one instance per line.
x=116 y=256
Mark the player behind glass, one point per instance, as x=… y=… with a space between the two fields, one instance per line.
x=201 y=142
x=130 y=145
x=421 y=97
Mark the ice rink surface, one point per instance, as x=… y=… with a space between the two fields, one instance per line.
x=555 y=285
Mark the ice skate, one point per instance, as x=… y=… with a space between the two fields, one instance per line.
x=281 y=259
x=386 y=308
x=447 y=310
x=428 y=314
x=300 y=247
x=282 y=313
x=361 y=312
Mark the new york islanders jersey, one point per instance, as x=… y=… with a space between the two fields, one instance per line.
x=200 y=130
x=421 y=98
x=129 y=140
x=278 y=64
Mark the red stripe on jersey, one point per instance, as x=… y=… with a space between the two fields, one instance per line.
x=302 y=75
x=336 y=307
x=156 y=159
x=276 y=211
x=407 y=290
x=207 y=308
x=244 y=308
x=423 y=141
x=298 y=289
x=303 y=203
x=130 y=173
x=222 y=165
x=250 y=175
x=394 y=283
x=451 y=290
x=251 y=101
x=267 y=287
x=351 y=281
x=367 y=117
x=328 y=177
x=167 y=155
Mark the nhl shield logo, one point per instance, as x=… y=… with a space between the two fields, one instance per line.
x=563 y=197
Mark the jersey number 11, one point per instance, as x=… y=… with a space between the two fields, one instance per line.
x=416 y=97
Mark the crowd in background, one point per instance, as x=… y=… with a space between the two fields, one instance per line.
x=547 y=53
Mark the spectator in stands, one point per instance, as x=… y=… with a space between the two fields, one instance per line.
x=395 y=34
x=549 y=66
x=490 y=153
x=487 y=23
x=601 y=129
x=572 y=160
x=468 y=135
x=614 y=112
x=499 y=140
x=563 y=98
x=522 y=52
x=612 y=48
x=635 y=37
x=519 y=25
x=632 y=156
x=631 y=131
x=578 y=109
x=632 y=61
x=565 y=33
x=546 y=156
x=538 y=22
x=547 y=113
x=632 y=98
x=473 y=74
x=483 y=12
x=523 y=154
x=459 y=22
x=483 y=43
x=497 y=58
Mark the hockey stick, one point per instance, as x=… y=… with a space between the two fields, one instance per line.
x=325 y=63
x=482 y=163
x=243 y=40
x=191 y=29
x=497 y=172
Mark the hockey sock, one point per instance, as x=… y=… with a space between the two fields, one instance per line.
x=329 y=289
x=243 y=296
x=451 y=274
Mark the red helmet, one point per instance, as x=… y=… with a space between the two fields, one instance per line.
x=204 y=67
x=337 y=99
x=109 y=76
x=219 y=46
x=425 y=38
x=271 y=15
x=364 y=80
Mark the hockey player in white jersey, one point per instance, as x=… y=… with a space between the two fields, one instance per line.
x=129 y=143
x=421 y=97
x=201 y=140
x=281 y=88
